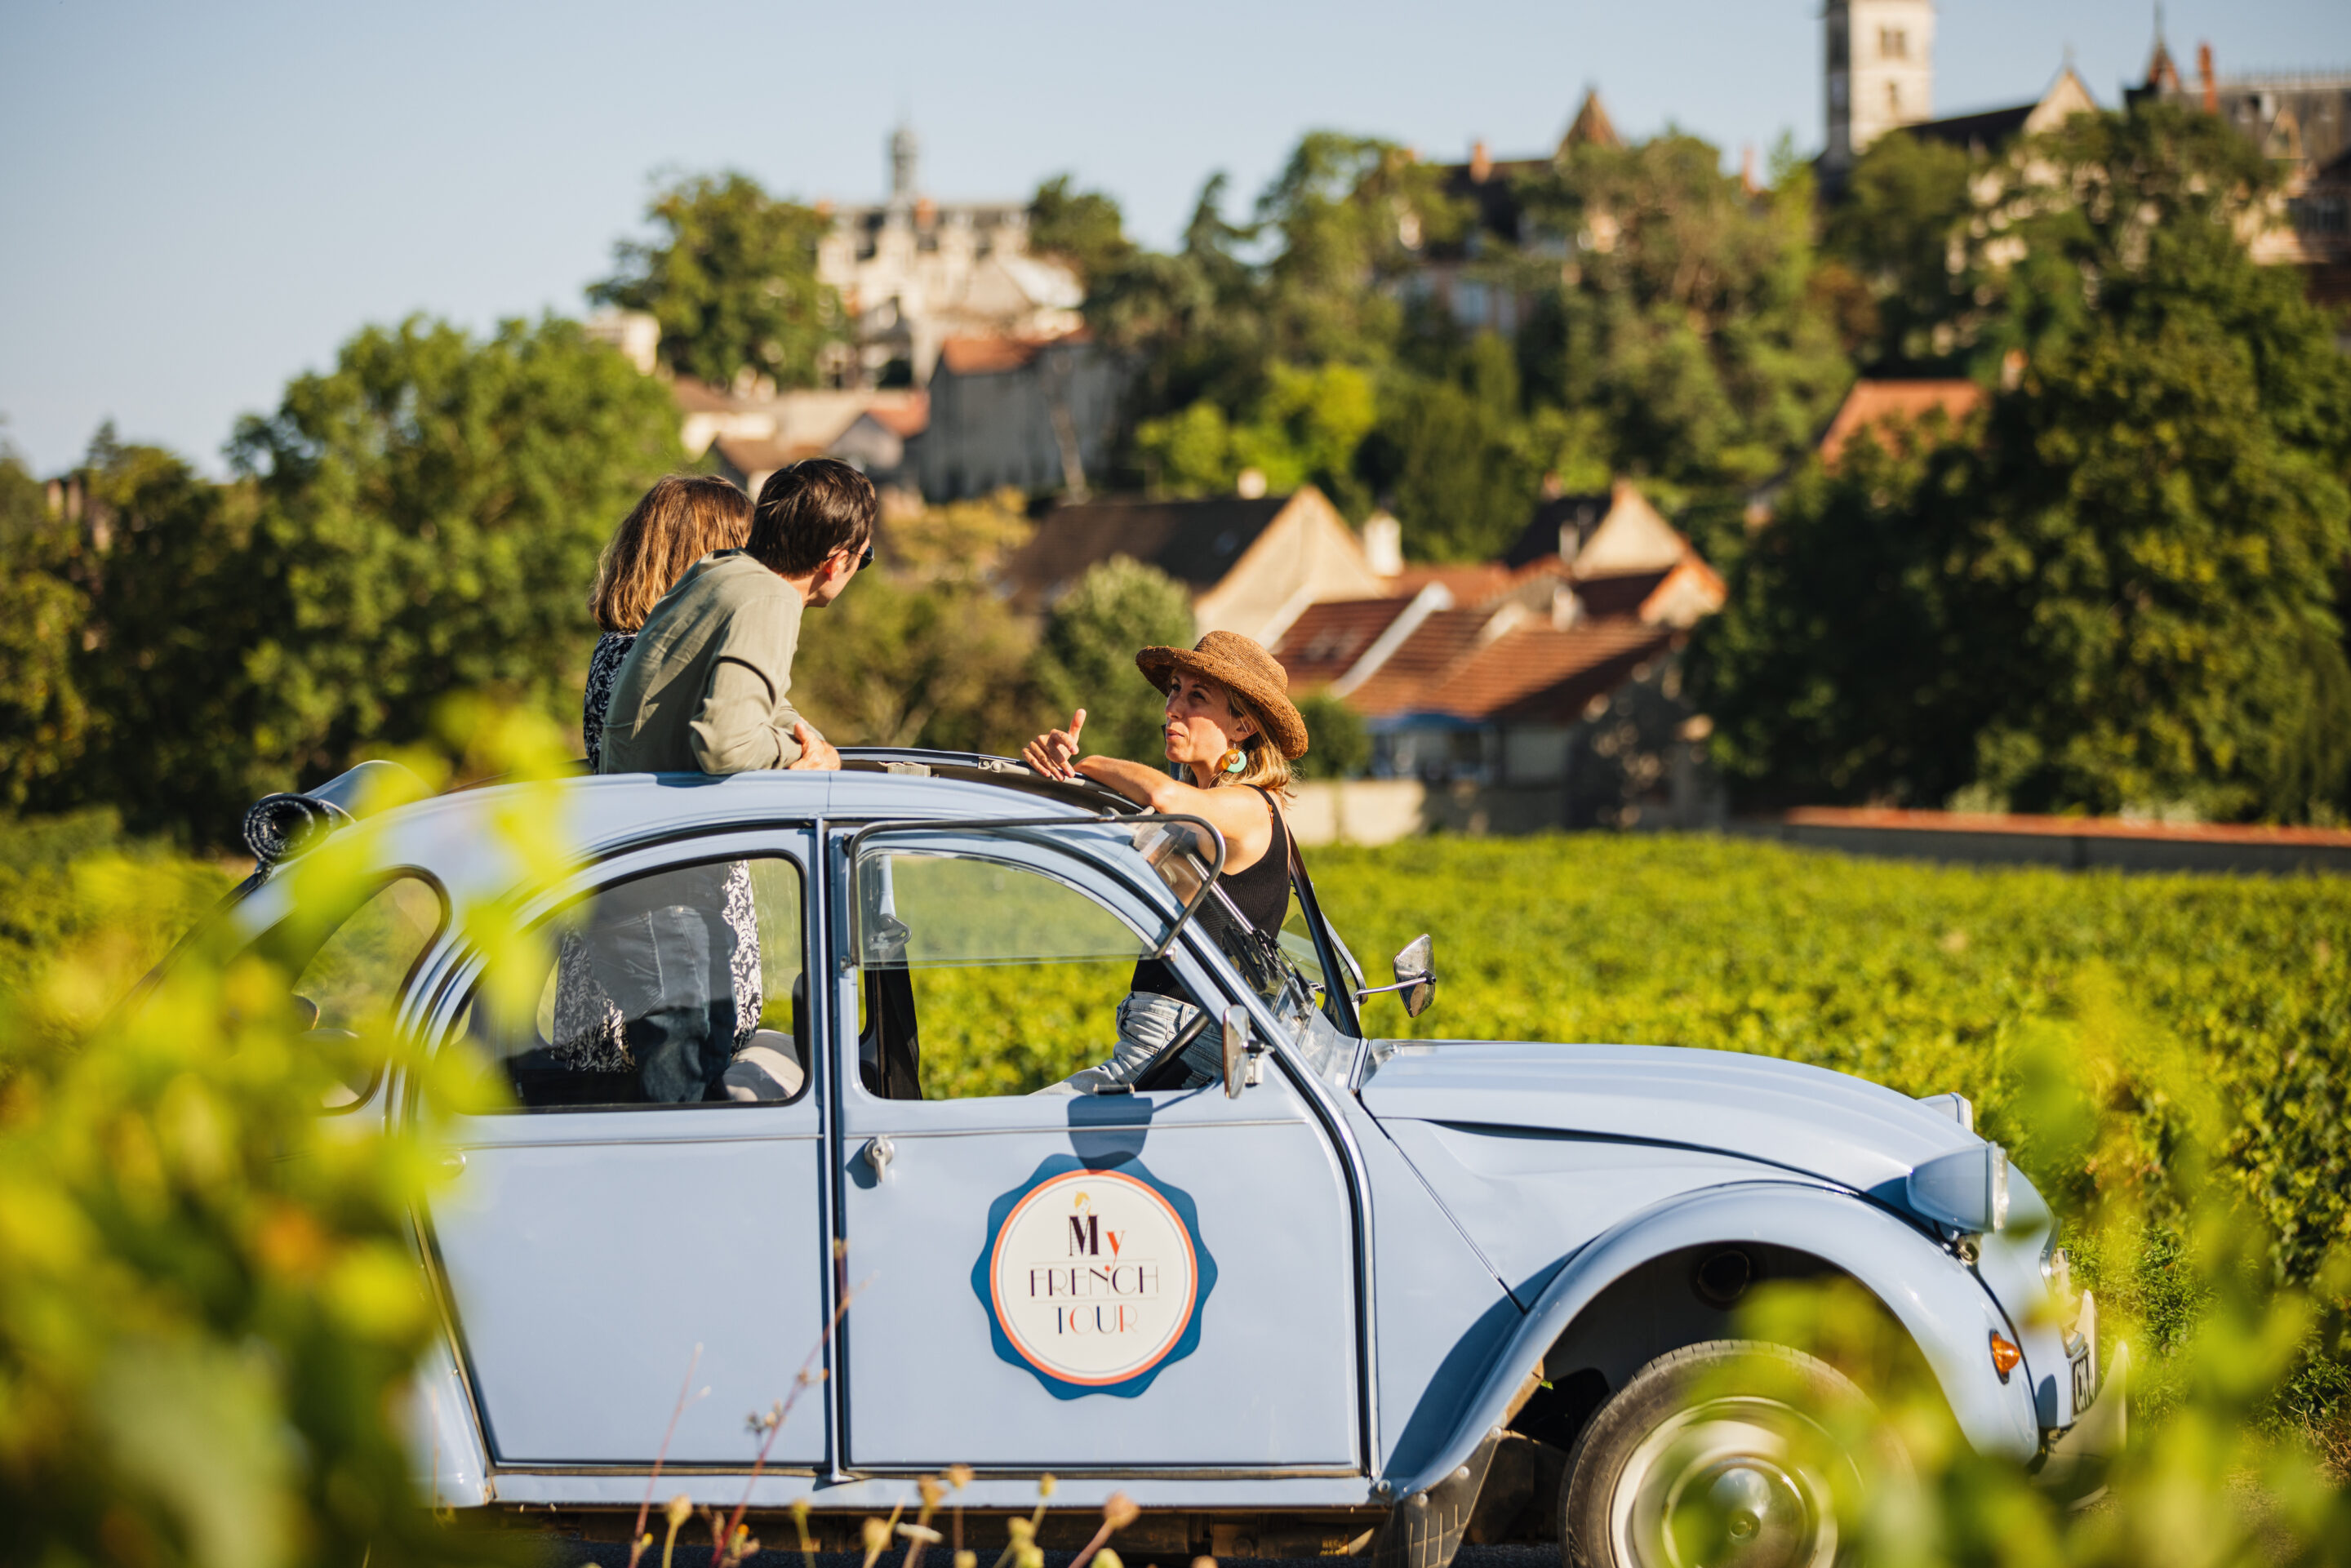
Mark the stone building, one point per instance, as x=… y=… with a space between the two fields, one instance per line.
x=2301 y=120
x=913 y=272
x=1880 y=75
x=1037 y=415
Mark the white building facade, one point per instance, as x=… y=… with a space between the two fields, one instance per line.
x=913 y=272
x=1881 y=72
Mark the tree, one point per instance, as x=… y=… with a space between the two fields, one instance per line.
x=2123 y=595
x=44 y=719
x=1843 y=666
x=1907 y=209
x=1082 y=228
x=422 y=520
x=900 y=663
x=1686 y=319
x=731 y=277
x=1340 y=746
x=1455 y=459
x=1303 y=427
x=1086 y=656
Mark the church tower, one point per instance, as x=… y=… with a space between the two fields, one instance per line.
x=1881 y=73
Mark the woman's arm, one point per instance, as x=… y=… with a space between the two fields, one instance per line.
x=1241 y=815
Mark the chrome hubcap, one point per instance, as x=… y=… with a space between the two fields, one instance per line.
x=1731 y=1483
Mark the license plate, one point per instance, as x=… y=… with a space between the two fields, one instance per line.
x=2085 y=1381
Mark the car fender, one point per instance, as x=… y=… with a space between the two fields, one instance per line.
x=444 y=1441
x=1942 y=1306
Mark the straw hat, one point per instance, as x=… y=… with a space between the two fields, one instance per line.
x=1242 y=665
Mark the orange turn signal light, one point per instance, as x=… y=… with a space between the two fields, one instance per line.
x=2004 y=1356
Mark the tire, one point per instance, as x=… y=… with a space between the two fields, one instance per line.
x=1718 y=1454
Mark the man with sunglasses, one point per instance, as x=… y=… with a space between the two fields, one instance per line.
x=707 y=687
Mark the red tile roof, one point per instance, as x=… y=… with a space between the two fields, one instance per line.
x=1324 y=643
x=1469 y=582
x=1396 y=685
x=1871 y=402
x=991 y=356
x=902 y=414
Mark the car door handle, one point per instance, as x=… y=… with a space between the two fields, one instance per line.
x=879 y=1153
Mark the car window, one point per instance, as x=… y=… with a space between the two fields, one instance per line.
x=350 y=984
x=354 y=979
x=986 y=967
x=682 y=987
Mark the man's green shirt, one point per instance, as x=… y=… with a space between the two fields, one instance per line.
x=705 y=687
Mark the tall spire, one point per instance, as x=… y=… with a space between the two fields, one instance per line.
x=2162 y=75
x=1591 y=125
x=905 y=155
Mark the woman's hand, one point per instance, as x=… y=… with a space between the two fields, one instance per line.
x=1054 y=752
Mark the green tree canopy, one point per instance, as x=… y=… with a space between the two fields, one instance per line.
x=1083 y=228
x=1086 y=656
x=731 y=277
x=1904 y=215
x=422 y=520
x=44 y=719
x=2123 y=594
x=893 y=663
x=1677 y=332
x=1685 y=320
x=431 y=514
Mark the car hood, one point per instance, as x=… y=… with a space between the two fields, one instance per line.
x=1804 y=1118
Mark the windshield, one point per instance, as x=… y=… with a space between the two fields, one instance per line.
x=1294 y=992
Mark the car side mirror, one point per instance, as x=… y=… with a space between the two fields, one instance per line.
x=1416 y=976
x=1240 y=1065
x=1416 y=973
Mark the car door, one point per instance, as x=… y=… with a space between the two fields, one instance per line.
x=605 y=1252
x=1164 y=1278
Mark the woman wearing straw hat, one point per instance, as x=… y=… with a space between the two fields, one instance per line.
x=1233 y=731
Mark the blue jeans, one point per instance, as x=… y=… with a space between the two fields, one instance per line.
x=1146 y=1022
x=678 y=1017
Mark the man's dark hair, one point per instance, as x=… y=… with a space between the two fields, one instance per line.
x=808 y=511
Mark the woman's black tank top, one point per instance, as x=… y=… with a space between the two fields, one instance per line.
x=1261 y=893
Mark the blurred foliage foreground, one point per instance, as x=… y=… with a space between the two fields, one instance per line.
x=208 y=1301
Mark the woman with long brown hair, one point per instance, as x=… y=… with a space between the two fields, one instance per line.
x=681 y=518
x=1233 y=732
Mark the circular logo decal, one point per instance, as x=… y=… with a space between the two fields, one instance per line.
x=1094 y=1278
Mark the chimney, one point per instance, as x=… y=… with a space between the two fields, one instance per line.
x=1481 y=162
x=2204 y=74
x=1747 y=169
x=1384 y=543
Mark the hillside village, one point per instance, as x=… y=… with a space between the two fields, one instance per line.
x=1547 y=679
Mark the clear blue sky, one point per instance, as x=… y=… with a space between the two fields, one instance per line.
x=198 y=202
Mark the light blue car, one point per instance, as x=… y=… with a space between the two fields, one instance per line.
x=1291 y=1289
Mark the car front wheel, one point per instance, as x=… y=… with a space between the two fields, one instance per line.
x=1719 y=1454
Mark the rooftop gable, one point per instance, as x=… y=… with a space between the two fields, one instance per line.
x=1905 y=401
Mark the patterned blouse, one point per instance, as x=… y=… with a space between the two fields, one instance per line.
x=603 y=669
x=588 y=1030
